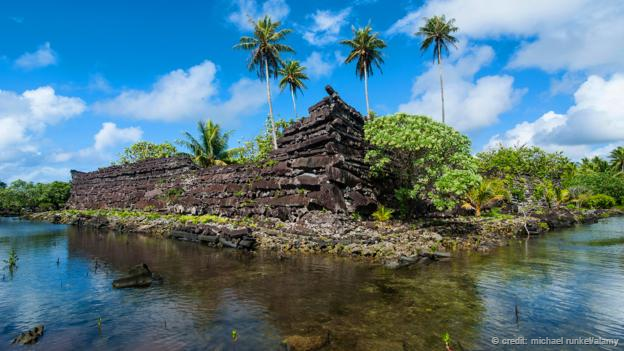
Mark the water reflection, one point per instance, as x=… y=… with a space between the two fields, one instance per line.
x=560 y=286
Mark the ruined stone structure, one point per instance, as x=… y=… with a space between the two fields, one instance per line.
x=318 y=165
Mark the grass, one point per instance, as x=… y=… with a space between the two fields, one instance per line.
x=11 y=262
x=201 y=219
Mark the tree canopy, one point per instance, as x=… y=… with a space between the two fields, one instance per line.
x=21 y=195
x=144 y=150
x=429 y=161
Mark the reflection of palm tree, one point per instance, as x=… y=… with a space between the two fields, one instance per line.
x=265 y=58
x=293 y=77
x=438 y=31
x=617 y=159
x=210 y=148
x=366 y=48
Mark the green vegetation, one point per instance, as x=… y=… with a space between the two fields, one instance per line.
x=257 y=151
x=265 y=46
x=293 y=76
x=617 y=159
x=599 y=201
x=484 y=195
x=11 y=262
x=365 y=49
x=22 y=196
x=210 y=147
x=439 y=32
x=428 y=161
x=144 y=150
x=382 y=214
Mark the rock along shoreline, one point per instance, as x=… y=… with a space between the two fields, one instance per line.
x=395 y=243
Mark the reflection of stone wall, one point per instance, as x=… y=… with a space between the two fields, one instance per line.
x=319 y=166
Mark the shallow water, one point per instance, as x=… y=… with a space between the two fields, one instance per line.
x=568 y=284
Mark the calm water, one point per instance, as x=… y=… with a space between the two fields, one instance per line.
x=568 y=284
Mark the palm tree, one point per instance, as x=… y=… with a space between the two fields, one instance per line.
x=210 y=147
x=366 y=48
x=595 y=164
x=265 y=58
x=617 y=159
x=293 y=77
x=487 y=193
x=438 y=31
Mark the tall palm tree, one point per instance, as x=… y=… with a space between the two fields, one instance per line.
x=293 y=77
x=265 y=58
x=617 y=159
x=366 y=48
x=210 y=147
x=439 y=32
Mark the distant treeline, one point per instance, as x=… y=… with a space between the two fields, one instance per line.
x=21 y=196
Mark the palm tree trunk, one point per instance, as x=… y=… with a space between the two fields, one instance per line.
x=366 y=91
x=292 y=94
x=441 y=84
x=268 y=86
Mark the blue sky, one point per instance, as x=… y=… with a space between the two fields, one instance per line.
x=79 y=81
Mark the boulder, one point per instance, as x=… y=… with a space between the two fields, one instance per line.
x=138 y=276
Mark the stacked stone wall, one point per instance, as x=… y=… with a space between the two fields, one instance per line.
x=318 y=165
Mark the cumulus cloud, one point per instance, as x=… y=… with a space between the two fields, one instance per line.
x=592 y=125
x=322 y=65
x=183 y=94
x=23 y=116
x=557 y=34
x=469 y=103
x=44 y=56
x=326 y=26
x=251 y=9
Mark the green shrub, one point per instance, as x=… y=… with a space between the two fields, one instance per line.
x=382 y=214
x=428 y=161
x=599 y=201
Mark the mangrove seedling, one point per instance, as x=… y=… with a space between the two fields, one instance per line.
x=11 y=262
x=99 y=324
x=446 y=338
x=234 y=335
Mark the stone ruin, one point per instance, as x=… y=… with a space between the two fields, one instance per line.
x=319 y=164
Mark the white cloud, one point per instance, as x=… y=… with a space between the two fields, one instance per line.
x=111 y=135
x=326 y=26
x=319 y=65
x=250 y=9
x=596 y=119
x=183 y=94
x=469 y=104
x=44 y=56
x=23 y=116
x=559 y=34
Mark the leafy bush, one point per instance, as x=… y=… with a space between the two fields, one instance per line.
x=382 y=214
x=21 y=195
x=425 y=160
x=144 y=150
x=607 y=183
x=599 y=201
x=524 y=161
x=257 y=150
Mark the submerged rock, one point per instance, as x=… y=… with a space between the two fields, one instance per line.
x=29 y=337
x=306 y=343
x=138 y=276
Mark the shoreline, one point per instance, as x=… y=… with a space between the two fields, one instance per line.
x=393 y=243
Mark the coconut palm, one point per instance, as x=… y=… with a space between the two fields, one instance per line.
x=210 y=147
x=487 y=193
x=439 y=32
x=292 y=76
x=595 y=164
x=617 y=159
x=265 y=46
x=366 y=49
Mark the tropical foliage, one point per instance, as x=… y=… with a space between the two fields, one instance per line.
x=427 y=160
x=293 y=76
x=26 y=196
x=438 y=32
x=144 y=150
x=266 y=47
x=258 y=149
x=209 y=148
x=617 y=159
x=365 y=49
x=484 y=195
